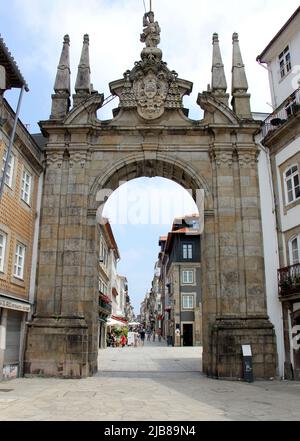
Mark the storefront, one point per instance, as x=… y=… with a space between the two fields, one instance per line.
x=105 y=309
x=13 y=314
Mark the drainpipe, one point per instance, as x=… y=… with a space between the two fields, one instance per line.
x=272 y=81
x=11 y=141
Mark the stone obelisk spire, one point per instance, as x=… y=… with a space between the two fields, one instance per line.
x=219 y=83
x=240 y=97
x=62 y=86
x=83 y=86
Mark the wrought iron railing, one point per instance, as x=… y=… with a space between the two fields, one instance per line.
x=289 y=280
x=105 y=306
x=289 y=108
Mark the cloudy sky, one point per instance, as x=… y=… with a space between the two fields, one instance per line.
x=34 y=29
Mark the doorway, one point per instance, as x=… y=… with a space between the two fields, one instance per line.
x=188 y=333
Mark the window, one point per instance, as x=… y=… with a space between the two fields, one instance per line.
x=188 y=302
x=292 y=184
x=2 y=250
x=187 y=251
x=285 y=62
x=294 y=250
x=19 y=262
x=103 y=254
x=103 y=287
x=26 y=187
x=188 y=277
x=10 y=169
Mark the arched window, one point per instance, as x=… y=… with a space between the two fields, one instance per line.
x=292 y=184
x=294 y=250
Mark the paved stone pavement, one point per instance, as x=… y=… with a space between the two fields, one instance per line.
x=153 y=383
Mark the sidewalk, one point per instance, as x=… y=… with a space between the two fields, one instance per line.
x=153 y=357
x=148 y=384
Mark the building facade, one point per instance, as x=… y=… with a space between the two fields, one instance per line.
x=19 y=224
x=114 y=302
x=158 y=311
x=280 y=177
x=163 y=289
x=107 y=247
x=183 y=283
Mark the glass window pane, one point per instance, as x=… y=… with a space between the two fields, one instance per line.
x=26 y=184
x=295 y=251
x=9 y=172
x=185 y=252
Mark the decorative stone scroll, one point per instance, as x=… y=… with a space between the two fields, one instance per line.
x=54 y=159
x=78 y=158
x=223 y=158
x=151 y=88
x=248 y=158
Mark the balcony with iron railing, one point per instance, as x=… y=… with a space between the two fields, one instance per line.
x=289 y=281
x=105 y=304
x=287 y=110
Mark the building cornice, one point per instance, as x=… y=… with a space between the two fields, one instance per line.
x=24 y=141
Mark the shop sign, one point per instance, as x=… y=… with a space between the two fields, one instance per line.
x=11 y=304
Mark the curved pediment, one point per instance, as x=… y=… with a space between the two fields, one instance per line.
x=85 y=112
x=216 y=112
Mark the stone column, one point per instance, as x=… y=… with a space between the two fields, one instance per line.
x=57 y=343
x=209 y=287
x=241 y=300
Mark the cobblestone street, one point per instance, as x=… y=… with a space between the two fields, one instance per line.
x=148 y=383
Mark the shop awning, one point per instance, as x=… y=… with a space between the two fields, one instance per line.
x=113 y=322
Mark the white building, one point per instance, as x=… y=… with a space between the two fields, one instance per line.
x=279 y=168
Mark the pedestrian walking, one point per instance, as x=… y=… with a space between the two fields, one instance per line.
x=123 y=341
x=143 y=335
x=159 y=335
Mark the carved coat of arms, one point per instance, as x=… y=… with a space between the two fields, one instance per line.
x=150 y=93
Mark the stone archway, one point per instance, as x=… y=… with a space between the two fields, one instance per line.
x=150 y=135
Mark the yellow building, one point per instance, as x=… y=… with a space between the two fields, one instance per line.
x=19 y=219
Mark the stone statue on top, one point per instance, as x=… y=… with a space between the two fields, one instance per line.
x=151 y=32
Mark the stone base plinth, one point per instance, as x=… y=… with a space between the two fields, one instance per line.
x=57 y=347
x=227 y=338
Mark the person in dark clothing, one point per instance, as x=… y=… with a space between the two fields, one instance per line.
x=143 y=335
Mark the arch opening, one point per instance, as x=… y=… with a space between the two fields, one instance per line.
x=150 y=208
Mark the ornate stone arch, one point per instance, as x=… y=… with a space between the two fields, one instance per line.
x=151 y=165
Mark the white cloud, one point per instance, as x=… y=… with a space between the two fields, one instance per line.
x=114 y=27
